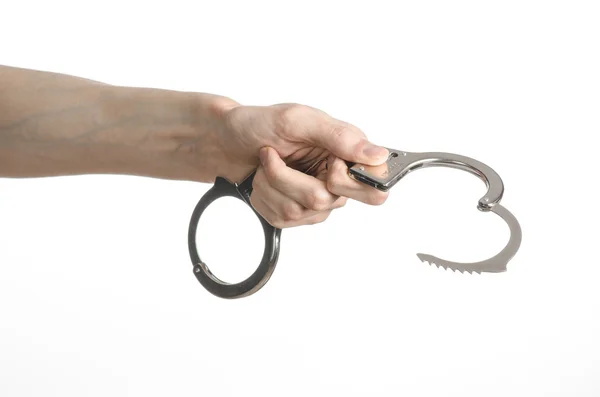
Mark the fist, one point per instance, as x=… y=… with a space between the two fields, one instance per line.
x=286 y=142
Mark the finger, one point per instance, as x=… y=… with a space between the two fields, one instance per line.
x=339 y=203
x=289 y=210
x=265 y=211
x=349 y=143
x=281 y=211
x=308 y=191
x=311 y=220
x=283 y=206
x=340 y=138
x=278 y=222
x=341 y=184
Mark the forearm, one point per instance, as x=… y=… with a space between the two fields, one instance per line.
x=53 y=124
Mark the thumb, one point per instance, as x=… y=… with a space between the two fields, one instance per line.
x=351 y=144
x=269 y=158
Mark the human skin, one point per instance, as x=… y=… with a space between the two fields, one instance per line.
x=53 y=124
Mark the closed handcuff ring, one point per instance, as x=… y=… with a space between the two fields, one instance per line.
x=382 y=177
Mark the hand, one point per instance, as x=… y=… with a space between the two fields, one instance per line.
x=288 y=139
x=53 y=124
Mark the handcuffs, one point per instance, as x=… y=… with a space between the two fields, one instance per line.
x=382 y=177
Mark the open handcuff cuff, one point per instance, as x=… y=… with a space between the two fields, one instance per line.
x=382 y=177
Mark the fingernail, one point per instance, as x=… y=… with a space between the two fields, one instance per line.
x=374 y=151
x=263 y=154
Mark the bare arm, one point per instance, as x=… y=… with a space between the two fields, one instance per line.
x=53 y=124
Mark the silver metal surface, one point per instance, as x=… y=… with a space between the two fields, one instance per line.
x=495 y=264
x=400 y=164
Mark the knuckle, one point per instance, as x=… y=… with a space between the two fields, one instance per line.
x=339 y=131
x=288 y=116
x=318 y=200
x=345 y=135
x=291 y=212
x=335 y=182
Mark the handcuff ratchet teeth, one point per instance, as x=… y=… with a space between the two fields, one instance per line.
x=400 y=163
x=382 y=177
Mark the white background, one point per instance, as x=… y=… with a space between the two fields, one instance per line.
x=97 y=295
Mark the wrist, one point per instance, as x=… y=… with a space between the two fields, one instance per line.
x=167 y=134
x=218 y=124
x=208 y=148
